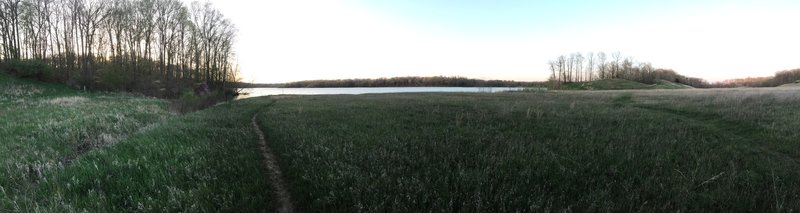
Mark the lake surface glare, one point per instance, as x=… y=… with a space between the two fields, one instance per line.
x=256 y=92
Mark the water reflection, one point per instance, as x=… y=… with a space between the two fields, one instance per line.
x=256 y=92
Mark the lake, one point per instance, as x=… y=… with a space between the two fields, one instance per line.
x=256 y=92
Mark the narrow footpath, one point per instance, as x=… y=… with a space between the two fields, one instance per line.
x=284 y=199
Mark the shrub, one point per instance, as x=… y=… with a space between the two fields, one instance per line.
x=30 y=68
x=113 y=78
x=189 y=101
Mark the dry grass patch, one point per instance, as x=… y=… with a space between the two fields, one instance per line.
x=14 y=90
x=68 y=101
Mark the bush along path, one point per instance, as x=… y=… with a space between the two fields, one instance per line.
x=275 y=176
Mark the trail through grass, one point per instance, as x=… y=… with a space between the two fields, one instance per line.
x=63 y=150
x=206 y=161
x=687 y=150
x=275 y=175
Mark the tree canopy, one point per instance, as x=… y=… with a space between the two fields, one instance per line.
x=578 y=67
x=156 y=47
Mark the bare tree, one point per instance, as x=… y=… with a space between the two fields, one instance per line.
x=97 y=41
x=577 y=68
x=590 y=66
x=601 y=65
x=9 y=26
x=615 y=65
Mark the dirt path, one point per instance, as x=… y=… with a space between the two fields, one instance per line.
x=275 y=176
x=735 y=131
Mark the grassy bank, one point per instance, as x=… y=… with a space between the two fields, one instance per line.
x=45 y=127
x=63 y=150
x=683 y=150
x=202 y=162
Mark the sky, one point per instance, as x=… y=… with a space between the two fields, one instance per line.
x=291 y=40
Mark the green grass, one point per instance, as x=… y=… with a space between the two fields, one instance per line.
x=63 y=150
x=206 y=161
x=621 y=84
x=662 y=84
x=634 y=150
x=681 y=150
x=44 y=127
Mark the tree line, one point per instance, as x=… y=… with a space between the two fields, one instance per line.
x=780 y=78
x=436 y=81
x=579 y=67
x=156 y=47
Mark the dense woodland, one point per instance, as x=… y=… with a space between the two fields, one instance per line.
x=578 y=67
x=156 y=47
x=437 y=81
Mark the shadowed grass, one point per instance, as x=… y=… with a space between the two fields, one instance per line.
x=63 y=150
x=204 y=161
x=44 y=127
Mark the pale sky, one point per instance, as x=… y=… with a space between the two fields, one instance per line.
x=292 y=40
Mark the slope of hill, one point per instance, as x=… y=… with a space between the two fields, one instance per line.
x=66 y=150
x=790 y=85
x=662 y=84
x=621 y=84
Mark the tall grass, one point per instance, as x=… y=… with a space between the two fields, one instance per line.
x=44 y=127
x=67 y=151
x=207 y=161
x=683 y=150
x=657 y=150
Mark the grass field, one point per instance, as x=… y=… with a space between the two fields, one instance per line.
x=45 y=127
x=63 y=150
x=655 y=150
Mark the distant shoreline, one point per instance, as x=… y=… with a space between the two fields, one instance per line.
x=436 y=81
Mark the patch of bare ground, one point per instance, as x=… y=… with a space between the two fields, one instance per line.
x=279 y=188
x=88 y=144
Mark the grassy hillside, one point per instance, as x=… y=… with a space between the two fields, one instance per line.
x=206 y=161
x=63 y=150
x=45 y=127
x=621 y=84
x=662 y=84
x=657 y=150
x=797 y=84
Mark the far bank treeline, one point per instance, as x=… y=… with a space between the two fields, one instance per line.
x=156 y=47
x=579 y=67
x=436 y=81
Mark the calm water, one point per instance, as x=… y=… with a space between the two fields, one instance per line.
x=255 y=92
